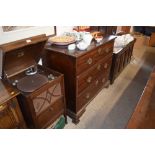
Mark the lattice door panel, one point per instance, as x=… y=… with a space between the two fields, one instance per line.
x=45 y=99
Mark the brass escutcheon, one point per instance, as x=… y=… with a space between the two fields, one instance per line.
x=89 y=61
x=87 y=96
x=89 y=79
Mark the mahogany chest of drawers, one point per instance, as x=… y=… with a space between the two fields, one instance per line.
x=86 y=72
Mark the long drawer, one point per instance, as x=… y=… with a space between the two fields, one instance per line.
x=88 y=77
x=104 y=50
x=88 y=60
x=89 y=93
x=51 y=114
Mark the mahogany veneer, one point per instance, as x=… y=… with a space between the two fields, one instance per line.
x=86 y=72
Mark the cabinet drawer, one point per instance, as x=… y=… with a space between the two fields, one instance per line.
x=104 y=50
x=50 y=114
x=89 y=93
x=91 y=58
x=85 y=62
x=85 y=79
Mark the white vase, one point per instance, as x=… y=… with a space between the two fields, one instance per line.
x=87 y=38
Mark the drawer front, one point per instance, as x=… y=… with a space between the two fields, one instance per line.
x=91 y=58
x=86 y=61
x=51 y=114
x=90 y=92
x=104 y=50
x=85 y=79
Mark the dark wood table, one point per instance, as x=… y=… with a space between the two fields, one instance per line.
x=143 y=116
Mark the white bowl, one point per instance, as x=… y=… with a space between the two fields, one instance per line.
x=82 y=46
x=71 y=47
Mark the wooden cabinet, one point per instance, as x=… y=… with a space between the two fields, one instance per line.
x=10 y=114
x=42 y=107
x=41 y=93
x=121 y=57
x=85 y=72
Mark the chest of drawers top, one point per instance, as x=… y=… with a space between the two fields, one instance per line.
x=77 y=53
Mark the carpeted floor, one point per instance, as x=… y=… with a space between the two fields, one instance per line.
x=113 y=107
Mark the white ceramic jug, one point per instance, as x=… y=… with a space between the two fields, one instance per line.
x=87 y=38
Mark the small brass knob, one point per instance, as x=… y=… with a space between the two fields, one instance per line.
x=107 y=50
x=1 y=107
x=96 y=83
x=103 y=80
x=12 y=93
x=89 y=61
x=99 y=67
x=87 y=96
x=105 y=65
x=99 y=50
x=89 y=79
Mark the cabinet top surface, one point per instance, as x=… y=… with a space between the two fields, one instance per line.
x=6 y=92
x=76 y=52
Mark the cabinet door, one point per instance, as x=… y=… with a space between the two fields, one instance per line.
x=10 y=115
x=44 y=98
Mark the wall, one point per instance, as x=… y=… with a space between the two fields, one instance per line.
x=6 y=37
x=62 y=29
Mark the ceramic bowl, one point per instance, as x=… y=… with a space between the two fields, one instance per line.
x=82 y=46
x=71 y=47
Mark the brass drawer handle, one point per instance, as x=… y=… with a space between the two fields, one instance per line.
x=2 y=107
x=107 y=50
x=99 y=50
x=87 y=96
x=99 y=67
x=105 y=65
x=103 y=80
x=89 y=79
x=96 y=83
x=89 y=61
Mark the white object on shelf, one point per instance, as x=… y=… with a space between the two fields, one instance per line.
x=123 y=40
x=87 y=38
x=82 y=45
x=71 y=47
